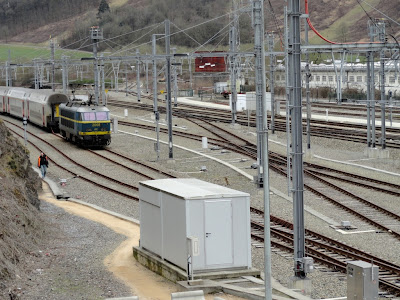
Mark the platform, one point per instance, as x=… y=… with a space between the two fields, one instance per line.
x=190 y=101
x=314 y=116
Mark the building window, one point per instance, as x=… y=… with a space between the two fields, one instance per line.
x=330 y=78
x=359 y=79
x=351 y=78
x=278 y=77
x=317 y=78
x=323 y=78
x=392 y=79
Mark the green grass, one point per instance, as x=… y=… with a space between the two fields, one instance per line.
x=26 y=53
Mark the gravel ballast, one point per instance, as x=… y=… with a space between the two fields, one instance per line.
x=325 y=283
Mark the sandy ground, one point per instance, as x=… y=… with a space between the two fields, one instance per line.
x=121 y=263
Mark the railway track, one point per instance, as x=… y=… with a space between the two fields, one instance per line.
x=389 y=280
x=380 y=218
x=365 y=210
x=325 y=251
x=114 y=185
x=347 y=132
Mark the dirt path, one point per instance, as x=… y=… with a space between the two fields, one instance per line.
x=121 y=262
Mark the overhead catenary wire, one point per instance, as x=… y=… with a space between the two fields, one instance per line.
x=155 y=27
x=213 y=37
x=220 y=41
x=318 y=34
x=192 y=38
x=372 y=20
x=383 y=14
x=278 y=28
x=186 y=29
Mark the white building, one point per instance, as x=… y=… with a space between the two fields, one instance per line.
x=353 y=76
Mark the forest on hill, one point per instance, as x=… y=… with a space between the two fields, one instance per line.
x=125 y=21
x=17 y=16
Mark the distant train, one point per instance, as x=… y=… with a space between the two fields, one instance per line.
x=79 y=121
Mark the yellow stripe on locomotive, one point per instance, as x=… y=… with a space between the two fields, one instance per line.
x=94 y=132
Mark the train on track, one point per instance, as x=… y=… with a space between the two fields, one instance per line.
x=81 y=122
x=84 y=123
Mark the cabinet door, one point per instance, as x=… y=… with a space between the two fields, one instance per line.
x=218 y=232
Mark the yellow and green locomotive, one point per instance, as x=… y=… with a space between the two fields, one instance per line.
x=85 y=123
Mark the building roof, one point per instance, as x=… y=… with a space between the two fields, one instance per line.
x=192 y=189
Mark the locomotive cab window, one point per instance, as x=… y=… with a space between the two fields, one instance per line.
x=89 y=116
x=101 y=116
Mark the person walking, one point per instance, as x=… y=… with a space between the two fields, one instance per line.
x=43 y=163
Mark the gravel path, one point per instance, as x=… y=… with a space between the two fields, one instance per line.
x=70 y=264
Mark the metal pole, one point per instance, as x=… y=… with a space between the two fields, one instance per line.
x=272 y=78
x=155 y=104
x=64 y=74
x=9 y=70
x=382 y=84
x=297 y=151
x=138 y=76
x=369 y=54
x=168 y=73
x=288 y=101
x=103 y=83
x=260 y=84
x=342 y=62
x=96 y=73
x=391 y=108
x=190 y=72
x=258 y=13
x=126 y=79
x=308 y=75
x=25 y=123
x=373 y=137
x=147 y=76
x=175 y=76
x=372 y=33
x=35 y=74
x=233 y=49
x=53 y=69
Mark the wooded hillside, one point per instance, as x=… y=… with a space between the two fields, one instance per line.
x=344 y=21
x=18 y=16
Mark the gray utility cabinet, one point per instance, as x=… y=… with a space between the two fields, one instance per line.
x=362 y=280
x=173 y=210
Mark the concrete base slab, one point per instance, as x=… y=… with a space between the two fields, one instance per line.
x=208 y=286
x=376 y=153
x=124 y=298
x=235 y=126
x=173 y=273
x=309 y=153
x=195 y=282
x=300 y=285
x=272 y=137
x=245 y=287
x=192 y=295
